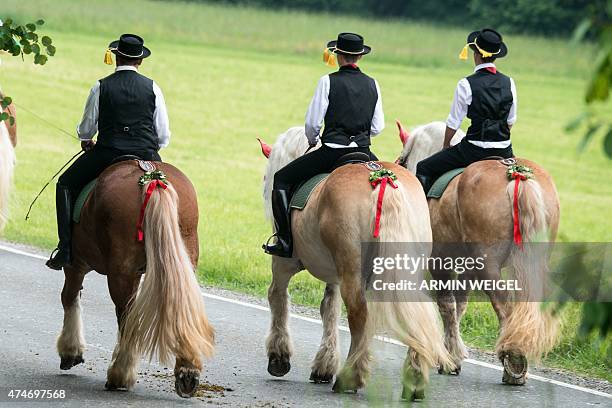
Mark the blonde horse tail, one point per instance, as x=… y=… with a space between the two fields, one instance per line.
x=167 y=316
x=412 y=320
x=7 y=164
x=529 y=329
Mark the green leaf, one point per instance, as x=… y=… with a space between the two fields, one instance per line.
x=11 y=120
x=51 y=50
x=588 y=136
x=35 y=48
x=577 y=121
x=46 y=41
x=7 y=22
x=27 y=49
x=6 y=101
x=607 y=143
x=16 y=50
x=599 y=86
x=581 y=31
x=40 y=59
x=40 y=22
x=31 y=27
x=4 y=116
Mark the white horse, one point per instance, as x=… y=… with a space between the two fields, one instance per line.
x=327 y=235
x=7 y=165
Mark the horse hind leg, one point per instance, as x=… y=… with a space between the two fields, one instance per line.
x=461 y=301
x=327 y=360
x=447 y=305
x=414 y=380
x=122 y=373
x=356 y=369
x=71 y=342
x=278 y=343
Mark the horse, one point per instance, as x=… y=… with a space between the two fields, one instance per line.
x=8 y=141
x=161 y=316
x=327 y=235
x=477 y=208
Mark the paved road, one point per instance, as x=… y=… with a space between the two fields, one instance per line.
x=31 y=316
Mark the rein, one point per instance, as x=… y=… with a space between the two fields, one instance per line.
x=27 y=217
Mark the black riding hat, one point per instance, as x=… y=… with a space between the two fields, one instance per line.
x=349 y=44
x=487 y=40
x=129 y=46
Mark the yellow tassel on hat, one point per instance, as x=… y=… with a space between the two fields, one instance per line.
x=108 y=57
x=329 y=58
x=464 y=53
x=485 y=54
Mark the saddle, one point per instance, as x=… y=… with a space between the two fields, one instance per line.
x=303 y=191
x=86 y=191
x=442 y=182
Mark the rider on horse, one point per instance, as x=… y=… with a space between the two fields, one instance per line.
x=128 y=112
x=488 y=99
x=350 y=104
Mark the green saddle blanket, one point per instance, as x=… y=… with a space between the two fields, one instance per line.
x=301 y=196
x=80 y=201
x=438 y=187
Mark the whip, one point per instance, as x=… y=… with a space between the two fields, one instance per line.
x=27 y=217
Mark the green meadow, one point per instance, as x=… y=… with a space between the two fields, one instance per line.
x=230 y=75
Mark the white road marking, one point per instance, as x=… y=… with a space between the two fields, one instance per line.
x=346 y=329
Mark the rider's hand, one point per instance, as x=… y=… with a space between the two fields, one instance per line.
x=87 y=145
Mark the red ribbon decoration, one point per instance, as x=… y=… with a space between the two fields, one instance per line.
x=518 y=239
x=152 y=185
x=492 y=70
x=381 y=194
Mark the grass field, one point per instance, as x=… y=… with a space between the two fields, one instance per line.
x=232 y=74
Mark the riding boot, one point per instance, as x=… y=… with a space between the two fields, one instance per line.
x=424 y=182
x=283 y=246
x=62 y=255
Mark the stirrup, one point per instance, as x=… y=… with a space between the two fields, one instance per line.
x=53 y=253
x=267 y=244
x=282 y=254
x=52 y=262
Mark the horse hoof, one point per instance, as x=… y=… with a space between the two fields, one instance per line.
x=455 y=371
x=341 y=386
x=187 y=381
x=67 y=363
x=515 y=369
x=110 y=387
x=412 y=395
x=278 y=366
x=318 y=378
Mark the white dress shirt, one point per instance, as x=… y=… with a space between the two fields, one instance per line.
x=463 y=98
x=318 y=108
x=88 y=127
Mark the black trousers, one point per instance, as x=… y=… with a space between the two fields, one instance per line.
x=92 y=163
x=461 y=155
x=319 y=161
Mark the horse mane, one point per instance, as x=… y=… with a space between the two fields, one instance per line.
x=288 y=147
x=424 y=141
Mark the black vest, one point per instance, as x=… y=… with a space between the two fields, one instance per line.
x=127 y=106
x=490 y=107
x=352 y=100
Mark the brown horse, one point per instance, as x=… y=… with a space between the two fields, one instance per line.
x=477 y=208
x=165 y=316
x=327 y=234
x=8 y=141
